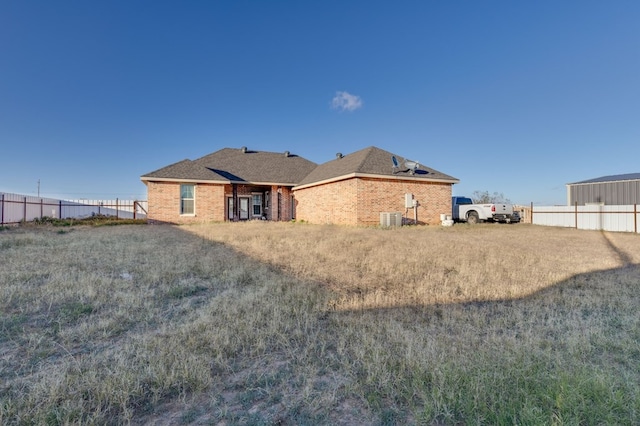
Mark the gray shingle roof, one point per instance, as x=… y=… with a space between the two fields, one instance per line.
x=372 y=161
x=184 y=170
x=239 y=165
x=611 y=178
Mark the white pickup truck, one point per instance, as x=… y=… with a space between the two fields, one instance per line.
x=464 y=210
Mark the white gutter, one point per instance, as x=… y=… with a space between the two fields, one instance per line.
x=239 y=182
x=374 y=176
x=152 y=179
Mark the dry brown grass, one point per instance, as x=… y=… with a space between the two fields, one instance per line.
x=378 y=268
x=281 y=323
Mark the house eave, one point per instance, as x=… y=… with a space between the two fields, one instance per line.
x=219 y=182
x=289 y=184
x=146 y=179
x=374 y=176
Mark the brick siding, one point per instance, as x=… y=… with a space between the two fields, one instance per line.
x=164 y=203
x=356 y=201
x=359 y=201
x=334 y=202
x=211 y=202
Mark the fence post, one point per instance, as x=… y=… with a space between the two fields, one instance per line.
x=117 y=209
x=41 y=207
x=635 y=218
x=2 y=211
x=60 y=209
x=24 y=210
x=531 y=210
x=576 y=210
x=135 y=209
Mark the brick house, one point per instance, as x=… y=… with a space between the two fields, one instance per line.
x=354 y=189
x=240 y=184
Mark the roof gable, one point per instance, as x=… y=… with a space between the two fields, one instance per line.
x=372 y=161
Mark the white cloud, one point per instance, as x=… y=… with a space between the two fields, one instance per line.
x=345 y=101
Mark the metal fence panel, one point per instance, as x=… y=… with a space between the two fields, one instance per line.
x=15 y=208
x=593 y=217
x=553 y=216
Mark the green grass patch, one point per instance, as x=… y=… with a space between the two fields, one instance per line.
x=11 y=325
x=183 y=291
x=96 y=220
x=72 y=312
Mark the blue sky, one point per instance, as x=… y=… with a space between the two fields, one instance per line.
x=514 y=97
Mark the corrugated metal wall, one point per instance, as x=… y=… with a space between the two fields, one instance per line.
x=610 y=193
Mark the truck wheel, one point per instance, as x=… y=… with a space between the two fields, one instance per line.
x=472 y=218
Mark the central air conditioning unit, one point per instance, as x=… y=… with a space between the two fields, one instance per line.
x=388 y=219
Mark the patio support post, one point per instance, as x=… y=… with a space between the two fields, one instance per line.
x=279 y=204
x=235 y=202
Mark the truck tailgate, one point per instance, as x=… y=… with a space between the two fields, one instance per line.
x=503 y=209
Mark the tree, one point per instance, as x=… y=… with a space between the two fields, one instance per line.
x=483 y=197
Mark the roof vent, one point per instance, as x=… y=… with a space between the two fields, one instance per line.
x=286 y=153
x=339 y=155
x=243 y=149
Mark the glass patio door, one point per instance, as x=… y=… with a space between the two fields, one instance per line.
x=230 y=208
x=244 y=208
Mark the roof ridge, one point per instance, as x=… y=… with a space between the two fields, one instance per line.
x=372 y=150
x=367 y=153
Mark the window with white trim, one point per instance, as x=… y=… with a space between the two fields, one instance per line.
x=256 y=201
x=187 y=199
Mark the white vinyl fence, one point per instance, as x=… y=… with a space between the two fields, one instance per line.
x=594 y=217
x=15 y=208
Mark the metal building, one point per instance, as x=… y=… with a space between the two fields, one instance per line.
x=620 y=190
